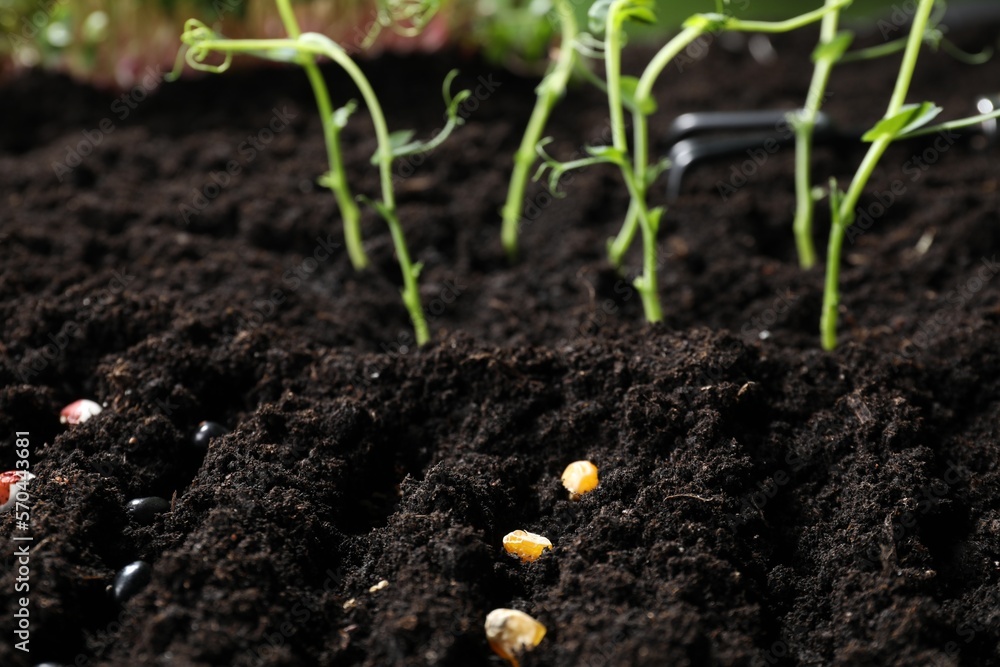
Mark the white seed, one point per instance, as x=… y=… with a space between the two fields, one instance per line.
x=511 y=632
x=379 y=586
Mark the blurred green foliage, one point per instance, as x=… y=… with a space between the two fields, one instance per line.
x=110 y=38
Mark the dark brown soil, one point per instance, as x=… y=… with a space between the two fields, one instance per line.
x=761 y=502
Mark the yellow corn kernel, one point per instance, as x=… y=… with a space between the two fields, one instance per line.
x=580 y=477
x=527 y=546
x=511 y=632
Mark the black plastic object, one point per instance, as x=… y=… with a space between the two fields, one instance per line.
x=734 y=132
x=748 y=132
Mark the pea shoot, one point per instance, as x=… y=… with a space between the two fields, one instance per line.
x=830 y=52
x=901 y=121
x=636 y=94
x=303 y=48
x=549 y=91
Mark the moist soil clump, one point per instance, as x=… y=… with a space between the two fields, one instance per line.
x=761 y=502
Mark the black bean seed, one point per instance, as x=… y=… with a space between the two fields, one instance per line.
x=206 y=431
x=131 y=579
x=144 y=510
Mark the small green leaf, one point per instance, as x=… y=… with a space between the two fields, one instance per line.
x=909 y=118
x=656 y=169
x=597 y=16
x=833 y=50
x=640 y=11
x=326 y=180
x=707 y=22
x=654 y=216
x=640 y=14
x=646 y=107
x=928 y=112
x=607 y=154
x=400 y=138
x=341 y=115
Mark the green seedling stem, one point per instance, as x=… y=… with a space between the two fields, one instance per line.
x=303 y=48
x=832 y=51
x=550 y=90
x=843 y=208
x=804 y=125
x=635 y=177
x=641 y=173
x=336 y=178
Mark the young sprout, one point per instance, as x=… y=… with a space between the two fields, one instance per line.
x=637 y=171
x=580 y=477
x=529 y=547
x=552 y=87
x=303 y=48
x=78 y=412
x=511 y=632
x=831 y=51
x=901 y=121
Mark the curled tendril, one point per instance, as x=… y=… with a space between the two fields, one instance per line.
x=194 y=36
x=404 y=17
x=589 y=46
x=557 y=169
x=402 y=144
